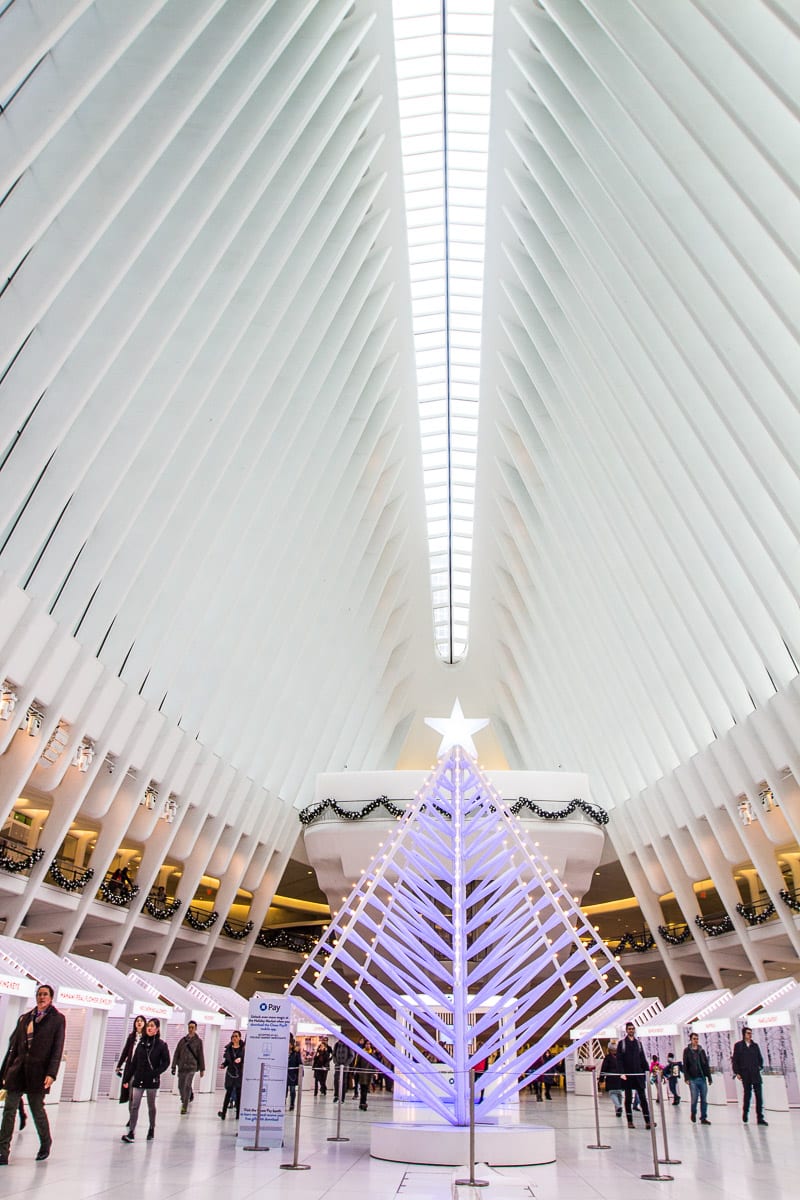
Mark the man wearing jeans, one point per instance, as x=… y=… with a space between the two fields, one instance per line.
x=697 y=1074
x=188 y=1059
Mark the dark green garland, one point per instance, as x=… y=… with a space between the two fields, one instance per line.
x=315 y=811
x=69 y=885
x=15 y=865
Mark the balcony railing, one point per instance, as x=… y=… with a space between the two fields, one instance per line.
x=18 y=862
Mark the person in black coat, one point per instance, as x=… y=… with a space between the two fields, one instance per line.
x=293 y=1066
x=233 y=1062
x=609 y=1074
x=633 y=1071
x=125 y=1060
x=150 y=1061
x=747 y=1066
x=30 y=1066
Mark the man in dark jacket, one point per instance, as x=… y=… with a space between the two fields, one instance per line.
x=633 y=1071
x=609 y=1074
x=697 y=1074
x=30 y=1066
x=187 y=1059
x=747 y=1066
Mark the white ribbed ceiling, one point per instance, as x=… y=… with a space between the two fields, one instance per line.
x=211 y=469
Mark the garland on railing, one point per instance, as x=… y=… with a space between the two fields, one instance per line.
x=201 y=926
x=77 y=884
x=790 y=899
x=640 y=943
x=715 y=928
x=593 y=811
x=281 y=939
x=237 y=934
x=15 y=865
x=752 y=916
x=674 y=939
x=161 y=912
x=315 y=811
x=121 y=898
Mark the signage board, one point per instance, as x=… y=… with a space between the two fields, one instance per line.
x=268 y=1027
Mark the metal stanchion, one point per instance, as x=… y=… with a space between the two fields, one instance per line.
x=294 y=1165
x=656 y=1173
x=598 y=1145
x=663 y=1105
x=472 y=1181
x=340 y=1093
x=255 y=1145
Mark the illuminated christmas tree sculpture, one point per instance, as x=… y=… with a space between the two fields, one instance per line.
x=459 y=943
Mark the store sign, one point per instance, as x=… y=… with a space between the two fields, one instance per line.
x=658 y=1030
x=712 y=1025
x=766 y=1020
x=9 y=986
x=264 y=1090
x=81 y=999
x=149 y=1008
x=203 y=1017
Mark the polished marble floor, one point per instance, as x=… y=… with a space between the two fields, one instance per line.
x=195 y=1158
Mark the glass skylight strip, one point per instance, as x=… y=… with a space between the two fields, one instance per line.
x=444 y=59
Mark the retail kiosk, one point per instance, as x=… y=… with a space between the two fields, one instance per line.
x=131 y=998
x=85 y=1005
x=234 y=1009
x=605 y=1025
x=721 y=1028
x=17 y=994
x=189 y=1006
x=776 y=1028
x=668 y=1031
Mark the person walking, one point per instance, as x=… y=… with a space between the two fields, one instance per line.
x=609 y=1073
x=320 y=1065
x=697 y=1074
x=293 y=1066
x=748 y=1064
x=150 y=1061
x=233 y=1062
x=30 y=1067
x=672 y=1073
x=188 y=1059
x=342 y=1061
x=633 y=1073
x=125 y=1061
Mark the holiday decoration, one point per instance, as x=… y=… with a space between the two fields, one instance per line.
x=238 y=934
x=715 y=926
x=754 y=915
x=674 y=937
x=200 y=924
x=790 y=899
x=638 y=942
x=283 y=939
x=396 y=808
x=119 y=894
x=459 y=944
x=161 y=910
x=15 y=865
x=76 y=884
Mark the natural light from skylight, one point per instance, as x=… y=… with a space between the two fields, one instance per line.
x=444 y=59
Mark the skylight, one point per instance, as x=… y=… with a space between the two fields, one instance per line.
x=444 y=59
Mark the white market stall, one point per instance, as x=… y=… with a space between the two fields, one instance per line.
x=131 y=998
x=776 y=1028
x=605 y=1025
x=234 y=1008
x=668 y=1031
x=721 y=1028
x=17 y=995
x=193 y=1007
x=85 y=1005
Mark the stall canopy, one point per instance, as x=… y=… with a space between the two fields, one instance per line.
x=224 y=998
x=72 y=987
x=782 y=1010
x=135 y=995
x=742 y=1004
x=683 y=1011
x=203 y=1010
x=606 y=1022
x=14 y=980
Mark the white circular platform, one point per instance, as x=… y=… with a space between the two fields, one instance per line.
x=448 y=1145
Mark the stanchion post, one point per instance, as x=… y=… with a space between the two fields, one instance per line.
x=294 y=1165
x=255 y=1145
x=472 y=1181
x=656 y=1173
x=340 y=1098
x=598 y=1144
x=663 y=1105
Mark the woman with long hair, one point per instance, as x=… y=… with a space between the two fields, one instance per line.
x=125 y=1061
x=233 y=1062
x=150 y=1061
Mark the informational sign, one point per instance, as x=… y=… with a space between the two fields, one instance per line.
x=78 y=998
x=11 y=986
x=268 y=1045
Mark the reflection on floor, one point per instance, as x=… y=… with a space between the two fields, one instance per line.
x=195 y=1158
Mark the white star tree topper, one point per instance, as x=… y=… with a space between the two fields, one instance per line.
x=457 y=730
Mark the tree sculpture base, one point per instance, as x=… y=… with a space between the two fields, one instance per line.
x=448 y=1145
